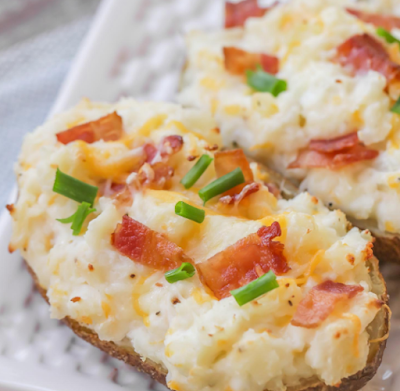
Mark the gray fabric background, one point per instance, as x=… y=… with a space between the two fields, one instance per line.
x=38 y=41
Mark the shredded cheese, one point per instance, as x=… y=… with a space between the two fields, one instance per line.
x=106 y=309
x=358 y=327
x=135 y=300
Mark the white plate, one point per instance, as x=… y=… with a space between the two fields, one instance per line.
x=134 y=48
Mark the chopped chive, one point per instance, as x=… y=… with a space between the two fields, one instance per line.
x=78 y=217
x=73 y=188
x=255 y=289
x=196 y=171
x=186 y=270
x=222 y=184
x=190 y=212
x=389 y=38
x=262 y=81
x=396 y=107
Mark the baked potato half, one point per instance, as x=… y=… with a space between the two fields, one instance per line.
x=302 y=101
x=191 y=263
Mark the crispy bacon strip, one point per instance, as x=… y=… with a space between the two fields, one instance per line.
x=388 y=22
x=237 y=61
x=237 y=13
x=313 y=159
x=334 y=153
x=320 y=302
x=335 y=144
x=236 y=198
x=363 y=53
x=241 y=263
x=108 y=128
x=145 y=246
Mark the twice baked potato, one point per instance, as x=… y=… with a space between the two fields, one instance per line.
x=310 y=88
x=185 y=261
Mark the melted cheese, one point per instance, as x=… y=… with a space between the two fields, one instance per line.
x=104 y=165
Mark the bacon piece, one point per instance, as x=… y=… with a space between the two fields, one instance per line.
x=314 y=159
x=242 y=262
x=108 y=128
x=335 y=144
x=109 y=188
x=363 y=53
x=122 y=194
x=236 y=198
x=270 y=64
x=353 y=155
x=388 y=22
x=156 y=174
x=117 y=187
x=147 y=247
x=320 y=302
x=151 y=151
x=168 y=147
x=162 y=173
x=237 y=61
x=237 y=13
x=227 y=161
x=171 y=145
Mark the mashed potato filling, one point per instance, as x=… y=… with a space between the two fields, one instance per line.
x=323 y=100
x=205 y=344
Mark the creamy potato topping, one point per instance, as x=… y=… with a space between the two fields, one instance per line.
x=329 y=94
x=204 y=343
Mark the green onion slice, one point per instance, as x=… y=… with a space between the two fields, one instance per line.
x=256 y=288
x=196 y=171
x=186 y=270
x=190 y=212
x=73 y=188
x=78 y=217
x=262 y=81
x=396 y=107
x=221 y=185
x=389 y=38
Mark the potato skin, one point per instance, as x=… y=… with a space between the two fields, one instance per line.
x=126 y=354
x=158 y=372
x=387 y=246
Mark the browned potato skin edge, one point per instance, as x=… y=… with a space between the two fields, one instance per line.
x=387 y=247
x=158 y=373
